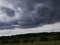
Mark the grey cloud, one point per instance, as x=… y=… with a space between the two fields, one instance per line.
x=8 y=11
x=35 y=13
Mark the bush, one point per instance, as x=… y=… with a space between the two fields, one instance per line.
x=44 y=38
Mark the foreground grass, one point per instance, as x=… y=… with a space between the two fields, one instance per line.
x=35 y=43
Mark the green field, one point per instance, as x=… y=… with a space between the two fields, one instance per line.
x=36 y=43
x=52 y=38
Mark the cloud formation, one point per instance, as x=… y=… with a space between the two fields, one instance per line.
x=46 y=28
x=28 y=13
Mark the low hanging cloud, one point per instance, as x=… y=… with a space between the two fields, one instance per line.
x=46 y=28
x=28 y=13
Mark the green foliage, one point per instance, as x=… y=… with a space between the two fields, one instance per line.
x=44 y=38
x=26 y=38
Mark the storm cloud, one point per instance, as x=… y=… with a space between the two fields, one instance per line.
x=28 y=13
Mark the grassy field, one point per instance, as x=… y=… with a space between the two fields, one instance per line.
x=32 y=39
x=36 y=43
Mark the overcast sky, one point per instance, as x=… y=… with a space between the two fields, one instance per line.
x=46 y=28
x=29 y=16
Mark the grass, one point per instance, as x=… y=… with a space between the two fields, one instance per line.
x=36 y=43
x=32 y=39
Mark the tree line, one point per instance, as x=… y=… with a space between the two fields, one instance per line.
x=24 y=38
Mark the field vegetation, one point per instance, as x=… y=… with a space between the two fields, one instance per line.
x=52 y=38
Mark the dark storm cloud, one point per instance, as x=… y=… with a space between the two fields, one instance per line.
x=34 y=13
x=8 y=11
